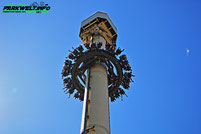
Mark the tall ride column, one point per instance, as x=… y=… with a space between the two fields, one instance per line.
x=98 y=107
x=96 y=73
x=95 y=118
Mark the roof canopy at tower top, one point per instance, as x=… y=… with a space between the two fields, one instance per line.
x=98 y=14
x=100 y=23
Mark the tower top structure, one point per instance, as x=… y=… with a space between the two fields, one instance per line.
x=99 y=35
x=98 y=23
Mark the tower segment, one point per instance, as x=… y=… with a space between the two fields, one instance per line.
x=97 y=72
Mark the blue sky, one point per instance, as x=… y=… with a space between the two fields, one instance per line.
x=165 y=97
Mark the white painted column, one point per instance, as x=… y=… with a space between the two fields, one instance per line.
x=98 y=120
x=98 y=109
x=98 y=38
